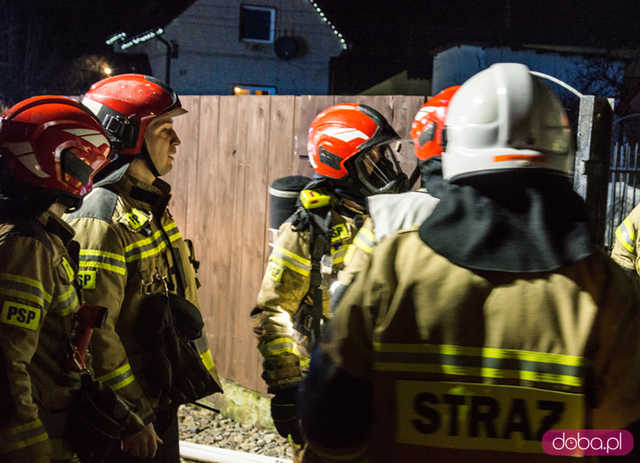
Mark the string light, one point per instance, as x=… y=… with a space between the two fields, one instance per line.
x=324 y=18
x=142 y=38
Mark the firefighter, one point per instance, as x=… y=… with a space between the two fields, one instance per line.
x=153 y=349
x=50 y=148
x=389 y=213
x=469 y=336
x=624 y=249
x=350 y=151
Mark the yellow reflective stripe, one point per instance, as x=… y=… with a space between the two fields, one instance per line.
x=117 y=372
x=285 y=252
x=361 y=244
x=27 y=281
x=290 y=266
x=95 y=264
x=25 y=435
x=626 y=235
x=339 y=254
x=143 y=242
x=95 y=252
x=124 y=383
x=175 y=235
x=26 y=427
x=23 y=295
x=207 y=359
x=481 y=372
x=279 y=346
x=118 y=378
x=66 y=301
x=488 y=352
x=349 y=255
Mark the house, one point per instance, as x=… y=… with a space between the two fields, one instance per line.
x=246 y=46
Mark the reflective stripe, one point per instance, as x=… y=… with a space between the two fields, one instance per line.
x=172 y=231
x=94 y=258
x=279 y=346
x=24 y=435
x=118 y=378
x=339 y=254
x=14 y=293
x=291 y=261
x=27 y=288
x=152 y=245
x=486 y=362
x=365 y=240
x=626 y=235
x=67 y=301
x=207 y=359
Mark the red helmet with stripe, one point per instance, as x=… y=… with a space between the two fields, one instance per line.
x=53 y=143
x=428 y=124
x=350 y=142
x=125 y=105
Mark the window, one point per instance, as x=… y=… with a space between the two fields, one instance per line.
x=257 y=23
x=241 y=89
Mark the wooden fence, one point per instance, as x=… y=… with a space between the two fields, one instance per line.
x=232 y=148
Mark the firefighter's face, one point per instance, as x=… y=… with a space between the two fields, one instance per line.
x=161 y=142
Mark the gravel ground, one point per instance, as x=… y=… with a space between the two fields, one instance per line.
x=202 y=426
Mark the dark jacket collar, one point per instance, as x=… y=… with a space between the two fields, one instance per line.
x=153 y=197
x=56 y=226
x=519 y=223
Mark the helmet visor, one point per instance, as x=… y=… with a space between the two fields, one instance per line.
x=379 y=171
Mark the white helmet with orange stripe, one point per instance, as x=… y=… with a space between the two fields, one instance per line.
x=505 y=118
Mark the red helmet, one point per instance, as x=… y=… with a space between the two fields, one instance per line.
x=125 y=105
x=54 y=143
x=350 y=142
x=428 y=124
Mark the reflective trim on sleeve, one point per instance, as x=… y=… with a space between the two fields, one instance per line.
x=339 y=254
x=626 y=235
x=24 y=288
x=365 y=240
x=22 y=436
x=278 y=346
x=118 y=378
x=291 y=261
x=484 y=362
x=94 y=258
x=207 y=359
x=172 y=231
x=67 y=301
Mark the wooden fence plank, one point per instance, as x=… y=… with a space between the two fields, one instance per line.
x=185 y=162
x=253 y=220
x=222 y=212
x=205 y=215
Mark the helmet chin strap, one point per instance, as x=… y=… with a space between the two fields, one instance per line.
x=144 y=155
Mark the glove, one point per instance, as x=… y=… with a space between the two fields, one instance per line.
x=283 y=412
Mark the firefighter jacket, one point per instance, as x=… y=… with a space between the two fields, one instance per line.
x=124 y=229
x=37 y=302
x=284 y=299
x=388 y=213
x=626 y=243
x=430 y=359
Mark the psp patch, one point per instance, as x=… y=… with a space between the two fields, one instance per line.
x=339 y=232
x=87 y=279
x=275 y=271
x=136 y=219
x=17 y=314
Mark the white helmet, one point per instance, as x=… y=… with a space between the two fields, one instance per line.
x=506 y=118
